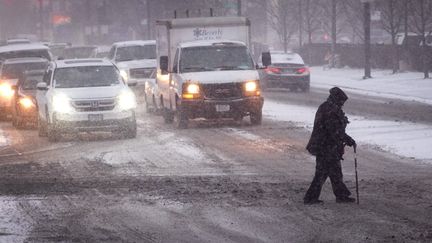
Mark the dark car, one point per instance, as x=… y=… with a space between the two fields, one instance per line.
x=287 y=70
x=11 y=70
x=78 y=52
x=24 y=107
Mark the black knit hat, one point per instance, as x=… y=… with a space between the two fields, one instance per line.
x=338 y=94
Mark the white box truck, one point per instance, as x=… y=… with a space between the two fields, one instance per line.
x=205 y=70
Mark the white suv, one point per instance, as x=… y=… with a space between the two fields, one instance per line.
x=84 y=95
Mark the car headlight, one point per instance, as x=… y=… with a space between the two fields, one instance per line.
x=251 y=88
x=124 y=75
x=126 y=100
x=6 y=90
x=62 y=104
x=26 y=102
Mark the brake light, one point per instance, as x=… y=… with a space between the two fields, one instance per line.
x=302 y=70
x=272 y=70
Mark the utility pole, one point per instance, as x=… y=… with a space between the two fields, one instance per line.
x=333 y=34
x=239 y=8
x=367 y=29
x=300 y=23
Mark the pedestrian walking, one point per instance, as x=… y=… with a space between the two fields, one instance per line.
x=327 y=143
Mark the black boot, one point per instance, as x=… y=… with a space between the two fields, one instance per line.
x=345 y=200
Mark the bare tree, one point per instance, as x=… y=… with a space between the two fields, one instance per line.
x=421 y=20
x=391 y=19
x=313 y=14
x=283 y=20
x=353 y=16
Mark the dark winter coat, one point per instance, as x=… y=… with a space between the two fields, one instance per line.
x=328 y=135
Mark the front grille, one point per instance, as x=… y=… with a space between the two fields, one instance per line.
x=140 y=73
x=94 y=105
x=222 y=91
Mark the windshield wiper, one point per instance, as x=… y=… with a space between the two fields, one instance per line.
x=197 y=69
x=229 y=68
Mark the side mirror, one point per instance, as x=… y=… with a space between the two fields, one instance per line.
x=42 y=86
x=163 y=64
x=131 y=83
x=266 y=59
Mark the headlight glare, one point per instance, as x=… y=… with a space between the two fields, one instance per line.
x=6 y=90
x=193 y=89
x=126 y=100
x=124 y=75
x=26 y=102
x=62 y=103
x=251 y=86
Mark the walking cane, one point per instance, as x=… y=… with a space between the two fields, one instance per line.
x=356 y=175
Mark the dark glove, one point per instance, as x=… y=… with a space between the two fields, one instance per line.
x=350 y=141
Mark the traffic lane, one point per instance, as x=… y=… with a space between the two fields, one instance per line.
x=360 y=105
x=232 y=180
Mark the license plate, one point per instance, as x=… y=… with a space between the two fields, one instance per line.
x=222 y=108
x=95 y=117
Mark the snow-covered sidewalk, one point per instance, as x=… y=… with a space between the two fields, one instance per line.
x=406 y=86
x=411 y=140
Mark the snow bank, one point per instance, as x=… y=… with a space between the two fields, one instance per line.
x=406 y=86
x=402 y=138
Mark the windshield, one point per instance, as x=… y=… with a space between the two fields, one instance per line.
x=30 y=82
x=93 y=76
x=14 y=71
x=130 y=53
x=211 y=58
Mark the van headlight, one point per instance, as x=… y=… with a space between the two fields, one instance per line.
x=251 y=88
x=191 y=91
x=126 y=100
x=62 y=104
x=124 y=74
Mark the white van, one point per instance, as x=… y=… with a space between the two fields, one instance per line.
x=205 y=70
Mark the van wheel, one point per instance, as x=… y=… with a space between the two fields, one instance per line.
x=256 y=117
x=168 y=116
x=181 y=118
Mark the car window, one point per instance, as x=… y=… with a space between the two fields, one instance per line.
x=30 y=82
x=129 y=53
x=88 y=76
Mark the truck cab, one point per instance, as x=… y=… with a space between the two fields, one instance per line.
x=203 y=74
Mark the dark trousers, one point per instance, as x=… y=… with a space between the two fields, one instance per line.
x=327 y=167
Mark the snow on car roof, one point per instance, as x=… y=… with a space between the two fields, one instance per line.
x=23 y=47
x=83 y=62
x=294 y=58
x=210 y=43
x=24 y=60
x=135 y=43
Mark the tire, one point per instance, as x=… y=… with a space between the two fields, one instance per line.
x=52 y=133
x=305 y=88
x=181 y=119
x=131 y=130
x=168 y=116
x=42 y=128
x=256 y=117
x=238 y=118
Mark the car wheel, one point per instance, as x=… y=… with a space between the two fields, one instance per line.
x=52 y=133
x=131 y=130
x=256 y=117
x=42 y=128
x=305 y=88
